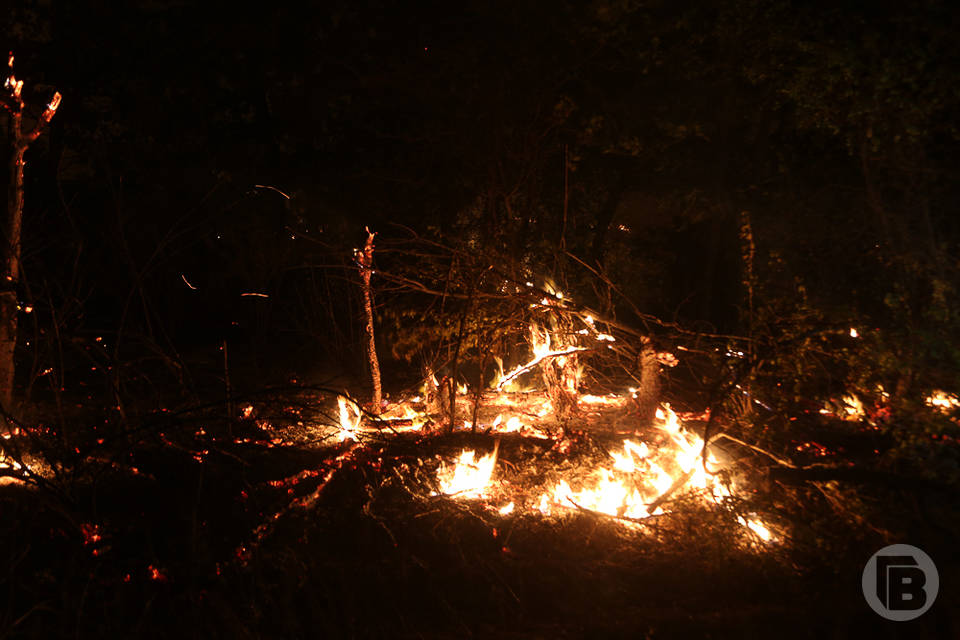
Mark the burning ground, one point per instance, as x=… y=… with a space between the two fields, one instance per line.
x=308 y=517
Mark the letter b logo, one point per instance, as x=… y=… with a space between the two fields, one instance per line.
x=900 y=582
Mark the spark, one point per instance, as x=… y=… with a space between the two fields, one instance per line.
x=254 y=295
x=187 y=282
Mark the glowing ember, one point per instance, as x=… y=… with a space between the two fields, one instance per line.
x=606 y=400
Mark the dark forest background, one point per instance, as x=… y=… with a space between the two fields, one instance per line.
x=820 y=138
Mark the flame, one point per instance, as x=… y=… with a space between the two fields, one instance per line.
x=639 y=477
x=943 y=401
x=540 y=344
x=469 y=477
x=350 y=416
x=853 y=407
x=757 y=527
x=636 y=482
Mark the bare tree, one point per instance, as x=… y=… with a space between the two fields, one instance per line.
x=365 y=263
x=19 y=142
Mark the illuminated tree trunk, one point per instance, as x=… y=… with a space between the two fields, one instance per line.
x=648 y=394
x=365 y=260
x=19 y=142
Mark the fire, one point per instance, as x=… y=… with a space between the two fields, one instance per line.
x=640 y=478
x=540 y=344
x=469 y=477
x=853 y=407
x=943 y=401
x=8 y=463
x=849 y=408
x=757 y=527
x=608 y=494
x=636 y=483
x=610 y=400
x=350 y=417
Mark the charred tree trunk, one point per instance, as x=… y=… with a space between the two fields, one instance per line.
x=19 y=142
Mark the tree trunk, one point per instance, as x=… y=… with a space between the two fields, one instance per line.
x=11 y=268
x=19 y=143
x=365 y=259
x=648 y=394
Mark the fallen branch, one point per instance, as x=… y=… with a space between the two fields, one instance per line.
x=600 y=514
x=781 y=461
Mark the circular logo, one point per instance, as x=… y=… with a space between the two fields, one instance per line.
x=900 y=582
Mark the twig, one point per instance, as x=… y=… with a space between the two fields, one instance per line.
x=781 y=461
x=601 y=514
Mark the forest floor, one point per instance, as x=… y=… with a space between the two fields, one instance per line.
x=268 y=527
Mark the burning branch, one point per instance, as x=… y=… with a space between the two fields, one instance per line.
x=520 y=370
x=365 y=262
